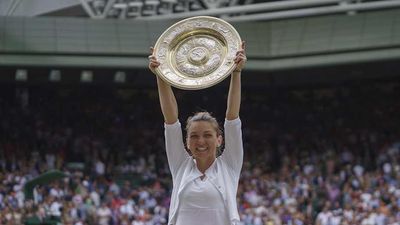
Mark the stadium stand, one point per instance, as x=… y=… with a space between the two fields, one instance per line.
x=321 y=155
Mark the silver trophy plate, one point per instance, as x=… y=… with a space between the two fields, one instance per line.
x=197 y=52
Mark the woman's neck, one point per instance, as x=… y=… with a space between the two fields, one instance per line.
x=203 y=165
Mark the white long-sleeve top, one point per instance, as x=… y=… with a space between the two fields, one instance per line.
x=223 y=175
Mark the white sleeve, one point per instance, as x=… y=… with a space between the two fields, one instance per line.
x=174 y=146
x=233 y=152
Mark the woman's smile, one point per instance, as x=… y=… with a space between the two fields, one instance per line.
x=201 y=149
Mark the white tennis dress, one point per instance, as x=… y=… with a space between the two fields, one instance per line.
x=203 y=204
x=211 y=201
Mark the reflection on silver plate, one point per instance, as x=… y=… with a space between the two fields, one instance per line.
x=197 y=52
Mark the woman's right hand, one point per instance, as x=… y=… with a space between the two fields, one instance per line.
x=168 y=104
x=153 y=62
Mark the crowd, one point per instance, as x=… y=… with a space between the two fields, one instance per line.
x=313 y=155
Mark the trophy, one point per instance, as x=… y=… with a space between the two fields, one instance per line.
x=197 y=52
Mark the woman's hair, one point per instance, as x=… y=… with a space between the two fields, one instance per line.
x=204 y=116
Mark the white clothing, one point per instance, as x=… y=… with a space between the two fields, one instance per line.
x=127 y=209
x=55 y=208
x=223 y=175
x=58 y=193
x=100 y=168
x=95 y=198
x=324 y=217
x=104 y=215
x=203 y=204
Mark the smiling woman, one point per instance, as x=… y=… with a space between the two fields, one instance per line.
x=204 y=182
x=203 y=139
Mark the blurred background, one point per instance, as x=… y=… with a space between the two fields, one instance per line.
x=320 y=110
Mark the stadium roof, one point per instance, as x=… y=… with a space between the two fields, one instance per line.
x=343 y=39
x=230 y=10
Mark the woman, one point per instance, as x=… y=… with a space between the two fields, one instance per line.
x=204 y=185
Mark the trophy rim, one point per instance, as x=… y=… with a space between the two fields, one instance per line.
x=208 y=83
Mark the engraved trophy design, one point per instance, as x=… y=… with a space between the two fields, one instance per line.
x=197 y=52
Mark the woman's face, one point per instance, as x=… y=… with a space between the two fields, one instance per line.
x=202 y=140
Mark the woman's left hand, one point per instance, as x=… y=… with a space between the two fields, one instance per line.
x=240 y=58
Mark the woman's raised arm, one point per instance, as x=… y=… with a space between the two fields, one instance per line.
x=234 y=95
x=169 y=106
